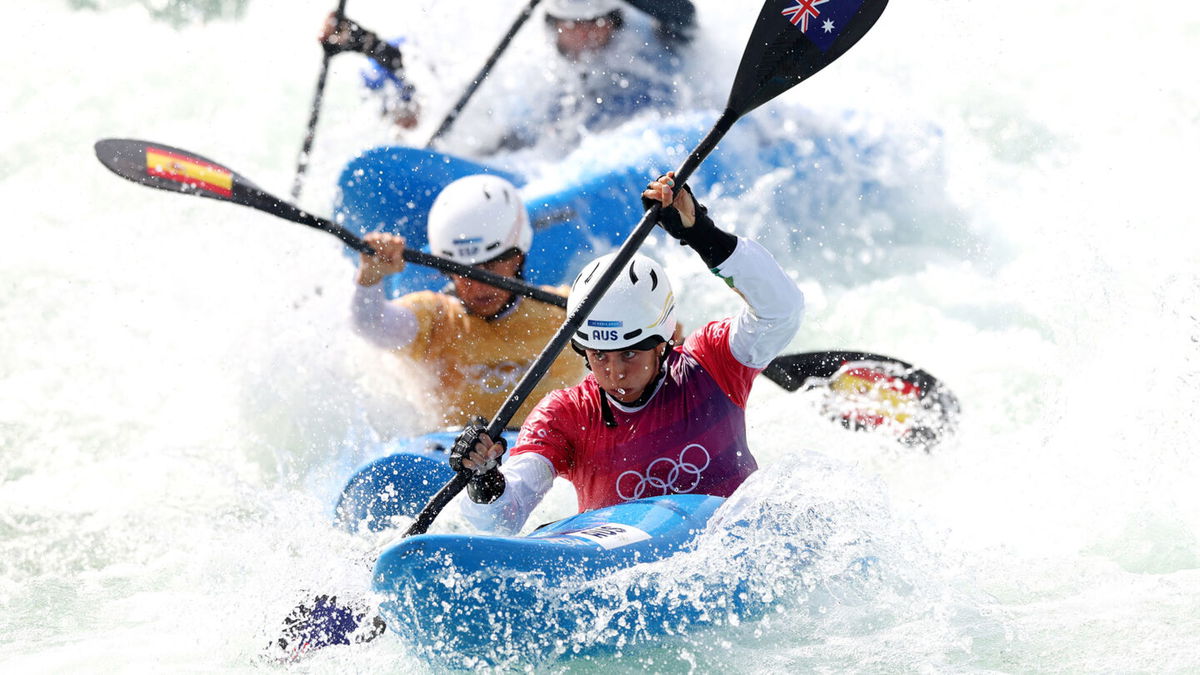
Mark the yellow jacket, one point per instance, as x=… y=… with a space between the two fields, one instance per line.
x=476 y=363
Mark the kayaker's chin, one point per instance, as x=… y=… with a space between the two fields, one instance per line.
x=480 y=299
x=487 y=301
x=490 y=306
x=625 y=395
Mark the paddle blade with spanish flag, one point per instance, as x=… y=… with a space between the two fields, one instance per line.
x=166 y=168
x=189 y=172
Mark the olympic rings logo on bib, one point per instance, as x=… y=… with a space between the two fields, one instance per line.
x=666 y=476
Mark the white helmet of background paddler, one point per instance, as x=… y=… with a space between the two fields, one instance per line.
x=580 y=10
x=637 y=311
x=477 y=219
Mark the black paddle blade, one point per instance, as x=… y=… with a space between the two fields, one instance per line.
x=167 y=168
x=792 y=40
x=864 y=391
x=792 y=371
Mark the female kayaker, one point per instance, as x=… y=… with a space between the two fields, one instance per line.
x=653 y=417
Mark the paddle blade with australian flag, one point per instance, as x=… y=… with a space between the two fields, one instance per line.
x=794 y=39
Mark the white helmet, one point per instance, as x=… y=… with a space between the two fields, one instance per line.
x=639 y=305
x=478 y=218
x=579 y=10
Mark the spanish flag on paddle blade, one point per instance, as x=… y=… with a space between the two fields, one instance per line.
x=189 y=171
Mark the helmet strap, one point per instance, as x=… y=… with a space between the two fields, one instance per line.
x=513 y=298
x=606 y=412
x=653 y=385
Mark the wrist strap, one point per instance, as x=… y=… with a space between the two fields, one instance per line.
x=714 y=245
x=387 y=55
x=487 y=487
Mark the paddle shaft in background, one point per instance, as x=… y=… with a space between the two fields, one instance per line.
x=778 y=56
x=315 y=113
x=458 y=106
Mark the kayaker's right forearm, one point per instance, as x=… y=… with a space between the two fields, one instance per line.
x=358 y=39
x=528 y=477
x=385 y=324
x=369 y=43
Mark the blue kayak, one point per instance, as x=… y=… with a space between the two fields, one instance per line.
x=583 y=206
x=469 y=600
x=640 y=574
x=637 y=574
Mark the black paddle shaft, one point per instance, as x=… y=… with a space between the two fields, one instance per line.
x=175 y=170
x=315 y=112
x=188 y=173
x=458 y=106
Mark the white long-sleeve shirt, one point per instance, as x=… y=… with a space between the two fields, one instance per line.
x=385 y=324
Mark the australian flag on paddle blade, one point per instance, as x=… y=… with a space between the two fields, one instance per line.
x=821 y=21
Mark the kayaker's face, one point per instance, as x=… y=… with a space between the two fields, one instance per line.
x=481 y=299
x=575 y=38
x=626 y=373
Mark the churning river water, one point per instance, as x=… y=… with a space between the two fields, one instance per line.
x=181 y=394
